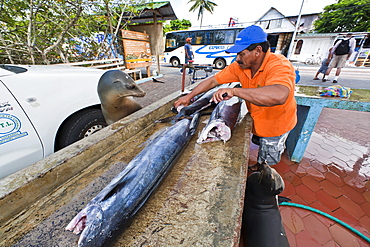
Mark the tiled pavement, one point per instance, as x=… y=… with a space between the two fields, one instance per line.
x=333 y=177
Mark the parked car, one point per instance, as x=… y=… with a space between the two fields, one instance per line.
x=44 y=108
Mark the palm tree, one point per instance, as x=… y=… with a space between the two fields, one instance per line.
x=202 y=5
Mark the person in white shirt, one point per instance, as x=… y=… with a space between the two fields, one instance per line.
x=340 y=53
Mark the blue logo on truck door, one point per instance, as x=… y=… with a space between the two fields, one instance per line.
x=10 y=128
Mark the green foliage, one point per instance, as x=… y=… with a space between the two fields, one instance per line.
x=55 y=31
x=202 y=6
x=177 y=25
x=345 y=16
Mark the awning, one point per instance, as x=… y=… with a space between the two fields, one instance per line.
x=162 y=11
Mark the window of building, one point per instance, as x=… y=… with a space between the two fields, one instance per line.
x=298 y=47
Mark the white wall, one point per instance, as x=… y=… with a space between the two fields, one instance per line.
x=313 y=46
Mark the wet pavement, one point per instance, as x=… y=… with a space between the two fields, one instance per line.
x=333 y=177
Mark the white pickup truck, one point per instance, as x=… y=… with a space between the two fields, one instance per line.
x=44 y=108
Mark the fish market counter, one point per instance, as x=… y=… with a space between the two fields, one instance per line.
x=199 y=202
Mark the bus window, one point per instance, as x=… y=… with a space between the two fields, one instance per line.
x=199 y=38
x=229 y=37
x=224 y=37
x=181 y=38
x=219 y=37
x=208 y=38
x=170 y=40
x=170 y=43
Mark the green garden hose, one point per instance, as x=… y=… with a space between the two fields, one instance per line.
x=367 y=239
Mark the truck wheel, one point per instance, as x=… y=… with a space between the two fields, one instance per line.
x=175 y=62
x=220 y=63
x=81 y=124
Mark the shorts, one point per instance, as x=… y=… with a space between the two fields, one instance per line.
x=324 y=66
x=338 y=61
x=271 y=149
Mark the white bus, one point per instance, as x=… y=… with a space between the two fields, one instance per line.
x=208 y=46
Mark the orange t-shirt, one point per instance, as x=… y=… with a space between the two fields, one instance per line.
x=275 y=69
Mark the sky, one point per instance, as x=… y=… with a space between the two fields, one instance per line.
x=246 y=10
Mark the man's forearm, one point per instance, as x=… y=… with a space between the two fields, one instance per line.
x=264 y=96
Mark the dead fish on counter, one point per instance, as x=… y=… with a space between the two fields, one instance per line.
x=106 y=215
x=222 y=121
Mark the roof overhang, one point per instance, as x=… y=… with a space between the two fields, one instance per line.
x=157 y=11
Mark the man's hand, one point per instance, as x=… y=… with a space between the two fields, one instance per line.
x=204 y=86
x=223 y=94
x=184 y=100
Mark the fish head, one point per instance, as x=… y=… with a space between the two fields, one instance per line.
x=89 y=223
x=93 y=227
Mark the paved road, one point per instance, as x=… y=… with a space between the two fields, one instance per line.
x=353 y=77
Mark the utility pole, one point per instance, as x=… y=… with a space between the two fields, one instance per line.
x=291 y=46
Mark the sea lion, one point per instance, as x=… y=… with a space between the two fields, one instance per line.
x=262 y=225
x=115 y=90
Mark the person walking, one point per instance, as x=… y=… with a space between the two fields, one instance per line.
x=189 y=55
x=268 y=83
x=324 y=65
x=340 y=53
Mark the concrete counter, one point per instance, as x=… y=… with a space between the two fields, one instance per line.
x=199 y=203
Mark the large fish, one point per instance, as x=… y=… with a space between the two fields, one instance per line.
x=106 y=215
x=262 y=224
x=202 y=102
x=222 y=121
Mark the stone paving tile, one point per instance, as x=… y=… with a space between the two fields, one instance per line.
x=308 y=195
x=306 y=239
x=331 y=189
x=353 y=195
x=316 y=228
x=343 y=237
x=311 y=183
x=334 y=178
x=293 y=221
x=331 y=203
x=351 y=207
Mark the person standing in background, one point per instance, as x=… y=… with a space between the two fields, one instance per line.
x=189 y=55
x=341 y=52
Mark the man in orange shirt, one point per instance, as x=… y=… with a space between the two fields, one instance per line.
x=268 y=82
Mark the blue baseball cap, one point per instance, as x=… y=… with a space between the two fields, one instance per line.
x=249 y=35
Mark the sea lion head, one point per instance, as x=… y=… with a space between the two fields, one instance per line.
x=271 y=179
x=117 y=84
